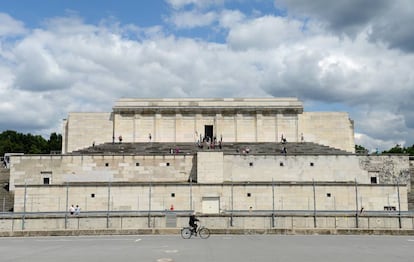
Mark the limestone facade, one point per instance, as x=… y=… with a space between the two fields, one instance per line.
x=387 y=169
x=204 y=167
x=209 y=182
x=211 y=198
x=189 y=120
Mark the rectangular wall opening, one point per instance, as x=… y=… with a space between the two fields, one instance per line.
x=208 y=132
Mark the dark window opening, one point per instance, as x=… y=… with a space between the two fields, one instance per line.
x=46 y=181
x=172 y=194
x=137 y=164
x=312 y=164
x=93 y=195
x=249 y=194
x=373 y=180
x=168 y=164
x=208 y=132
x=328 y=194
x=390 y=208
x=281 y=164
x=106 y=164
x=251 y=164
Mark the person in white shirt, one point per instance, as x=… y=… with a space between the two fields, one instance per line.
x=77 y=210
x=72 y=210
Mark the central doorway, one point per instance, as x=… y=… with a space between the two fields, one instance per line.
x=208 y=131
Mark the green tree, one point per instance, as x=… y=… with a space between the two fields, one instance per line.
x=410 y=150
x=55 y=142
x=13 y=142
x=397 y=149
x=360 y=149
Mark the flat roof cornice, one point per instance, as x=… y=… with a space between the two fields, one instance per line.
x=208 y=105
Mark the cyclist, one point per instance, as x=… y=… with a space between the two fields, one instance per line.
x=192 y=222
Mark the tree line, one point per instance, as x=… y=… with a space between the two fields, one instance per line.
x=14 y=142
x=397 y=149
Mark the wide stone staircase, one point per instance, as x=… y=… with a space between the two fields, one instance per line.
x=153 y=148
x=6 y=197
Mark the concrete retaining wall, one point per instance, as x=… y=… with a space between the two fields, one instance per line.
x=220 y=222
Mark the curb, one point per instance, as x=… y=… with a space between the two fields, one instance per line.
x=176 y=231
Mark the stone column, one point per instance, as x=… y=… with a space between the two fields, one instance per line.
x=134 y=135
x=259 y=127
x=178 y=122
x=116 y=127
x=277 y=129
x=64 y=136
x=297 y=128
x=218 y=126
x=198 y=123
x=157 y=128
x=237 y=117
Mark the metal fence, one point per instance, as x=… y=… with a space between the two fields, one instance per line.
x=146 y=197
x=149 y=211
x=229 y=215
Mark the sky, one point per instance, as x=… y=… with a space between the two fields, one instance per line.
x=67 y=56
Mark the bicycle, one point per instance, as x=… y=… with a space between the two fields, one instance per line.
x=187 y=232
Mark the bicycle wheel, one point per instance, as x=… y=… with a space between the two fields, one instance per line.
x=204 y=232
x=186 y=233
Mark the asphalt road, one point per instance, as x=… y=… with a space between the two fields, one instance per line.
x=243 y=248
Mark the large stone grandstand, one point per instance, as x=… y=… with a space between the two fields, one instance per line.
x=210 y=155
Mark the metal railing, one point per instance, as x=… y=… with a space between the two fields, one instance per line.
x=148 y=206
x=225 y=214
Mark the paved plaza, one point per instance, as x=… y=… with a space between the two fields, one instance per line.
x=240 y=248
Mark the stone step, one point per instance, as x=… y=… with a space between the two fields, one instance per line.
x=227 y=148
x=411 y=193
x=6 y=197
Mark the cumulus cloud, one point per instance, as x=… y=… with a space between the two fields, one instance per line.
x=193 y=18
x=387 y=21
x=68 y=65
x=394 y=27
x=264 y=33
x=344 y=16
x=10 y=26
x=231 y=18
x=180 y=4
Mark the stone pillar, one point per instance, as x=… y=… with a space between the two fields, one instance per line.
x=134 y=130
x=237 y=117
x=297 y=129
x=139 y=132
x=157 y=128
x=178 y=122
x=259 y=127
x=198 y=123
x=277 y=130
x=64 y=136
x=116 y=127
x=196 y=131
x=218 y=126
